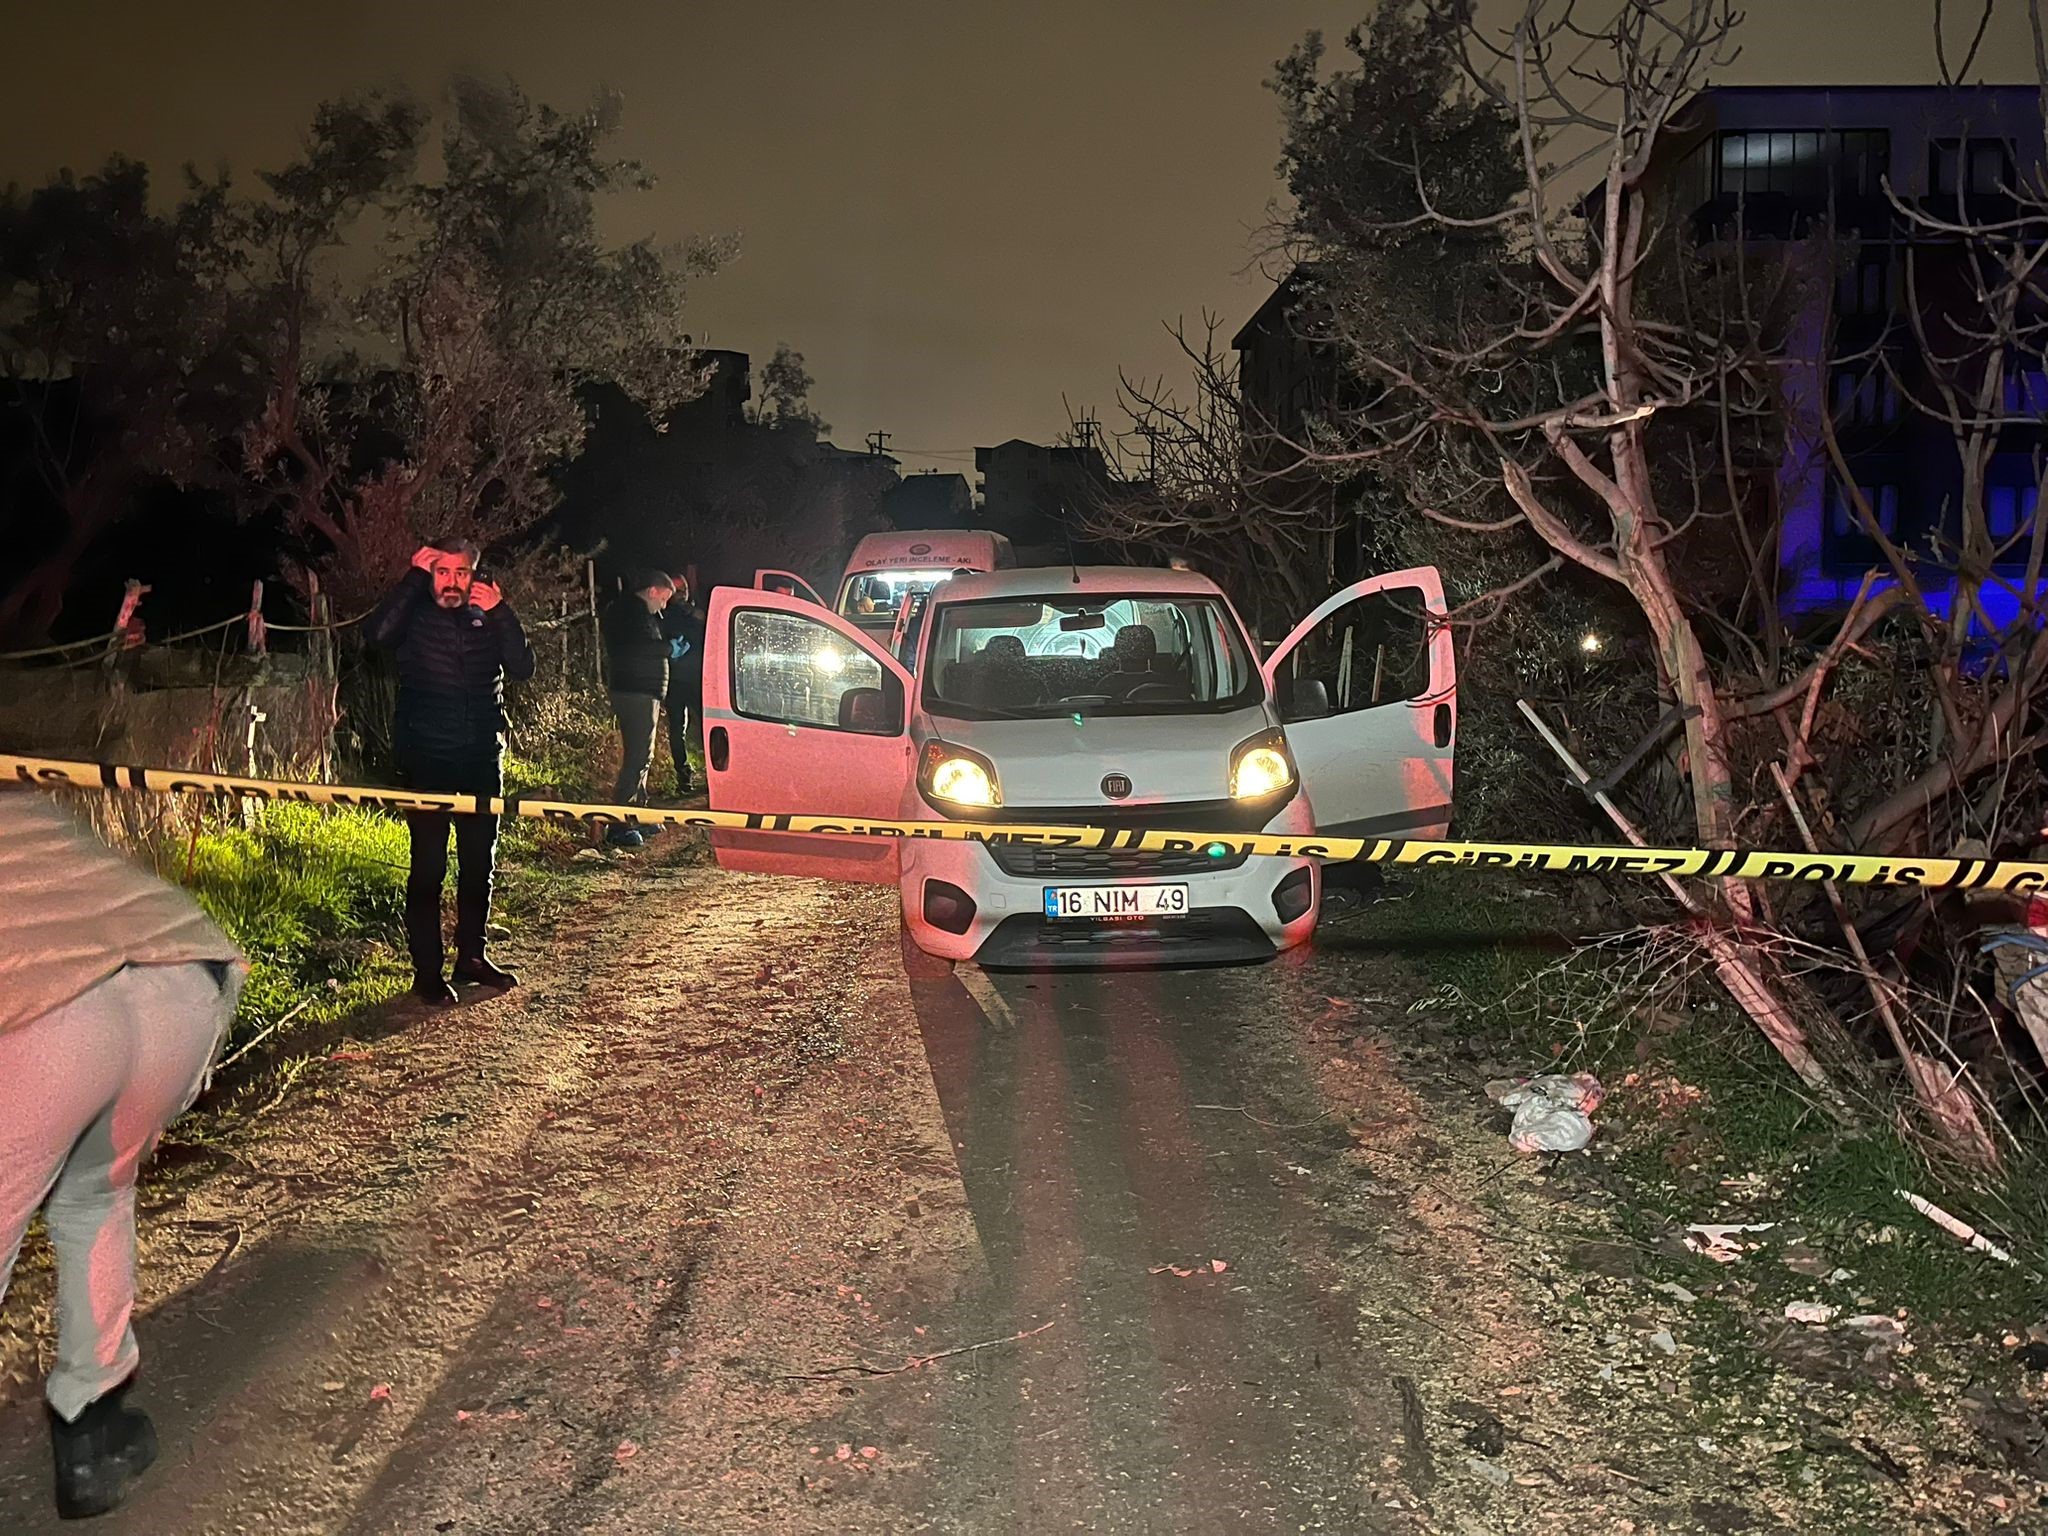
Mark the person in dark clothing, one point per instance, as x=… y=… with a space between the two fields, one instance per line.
x=680 y=621
x=456 y=641
x=636 y=660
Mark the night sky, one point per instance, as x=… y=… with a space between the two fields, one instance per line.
x=958 y=211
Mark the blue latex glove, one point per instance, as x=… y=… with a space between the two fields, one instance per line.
x=677 y=648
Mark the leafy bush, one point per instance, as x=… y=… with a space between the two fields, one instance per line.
x=561 y=741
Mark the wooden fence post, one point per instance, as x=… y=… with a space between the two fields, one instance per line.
x=326 y=680
x=132 y=595
x=596 y=635
x=259 y=637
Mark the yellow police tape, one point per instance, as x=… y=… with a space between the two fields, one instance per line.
x=1557 y=858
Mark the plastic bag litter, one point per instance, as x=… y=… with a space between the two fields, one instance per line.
x=1551 y=1112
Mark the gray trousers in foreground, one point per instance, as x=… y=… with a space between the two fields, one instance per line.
x=85 y=1091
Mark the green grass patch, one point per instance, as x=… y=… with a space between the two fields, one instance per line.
x=315 y=898
x=1713 y=1127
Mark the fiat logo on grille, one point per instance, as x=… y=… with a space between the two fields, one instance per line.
x=1116 y=785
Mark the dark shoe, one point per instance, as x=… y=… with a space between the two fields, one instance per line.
x=624 y=837
x=99 y=1454
x=433 y=991
x=480 y=972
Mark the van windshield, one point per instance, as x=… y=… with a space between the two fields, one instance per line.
x=878 y=595
x=1097 y=654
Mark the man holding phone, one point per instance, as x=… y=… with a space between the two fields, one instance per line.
x=456 y=641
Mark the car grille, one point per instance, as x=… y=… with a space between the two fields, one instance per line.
x=1033 y=862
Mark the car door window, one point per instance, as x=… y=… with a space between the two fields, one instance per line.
x=796 y=671
x=1372 y=651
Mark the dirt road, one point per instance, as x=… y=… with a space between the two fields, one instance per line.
x=725 y=1222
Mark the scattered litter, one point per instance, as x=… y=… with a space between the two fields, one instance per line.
x=1717 y=1241
x=627 y=1450
x=1876 y=1323
x=1676 y=1291
x=1815 y=1314
x=1217 y=1266
x=330 y=1386
x=381 y=1393
x=1487 y=1471
x=462 y=1415
x=869 y=1452
x=1211 y=1266
x=842 y=1453
x=1551 y=1112
x=1960 y=1230
x=1662 y=1341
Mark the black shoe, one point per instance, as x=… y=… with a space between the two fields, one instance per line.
x=624 y=837
x=482 y=973
x=99 y=1454
x=433 y=991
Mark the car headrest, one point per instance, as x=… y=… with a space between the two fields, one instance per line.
x=1135 y=642
x=1004 y=647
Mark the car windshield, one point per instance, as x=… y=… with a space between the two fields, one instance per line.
x=879 y=594
x=1097 y=654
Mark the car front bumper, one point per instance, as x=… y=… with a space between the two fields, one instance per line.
x=1233 y=915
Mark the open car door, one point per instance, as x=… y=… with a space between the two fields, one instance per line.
x=1368 y=688
x=803 y=715
x=789 y=584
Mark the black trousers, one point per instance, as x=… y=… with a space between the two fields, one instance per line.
x=684 y=712
x=476 y=847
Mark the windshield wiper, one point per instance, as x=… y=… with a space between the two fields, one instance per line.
x=982 y=711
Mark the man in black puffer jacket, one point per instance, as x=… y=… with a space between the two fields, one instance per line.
x=456 y=642
x=636 y=658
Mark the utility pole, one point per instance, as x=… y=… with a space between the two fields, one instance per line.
x=1084 y=430
x=1150 y=433
x=876 y=442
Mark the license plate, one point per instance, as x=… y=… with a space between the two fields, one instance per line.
x=1113 y=901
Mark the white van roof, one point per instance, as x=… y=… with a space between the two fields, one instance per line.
x=926 y=549
x=1066 y=581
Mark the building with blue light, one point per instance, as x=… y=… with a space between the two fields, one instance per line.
x=1817 y=173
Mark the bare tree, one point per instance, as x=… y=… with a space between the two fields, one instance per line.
x=1621 y=397
x=1212 y=482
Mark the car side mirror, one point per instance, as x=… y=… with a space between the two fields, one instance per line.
x=870 y=712
x=1307 y=699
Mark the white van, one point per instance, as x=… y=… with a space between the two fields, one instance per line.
x=1107 y=695
x=887 y=568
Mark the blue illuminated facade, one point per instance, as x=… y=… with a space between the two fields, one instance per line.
x=1812 y=171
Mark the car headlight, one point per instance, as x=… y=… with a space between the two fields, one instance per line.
x=958 y=776
x=1260 y=766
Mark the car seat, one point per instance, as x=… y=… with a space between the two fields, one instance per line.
x=1004 y=675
